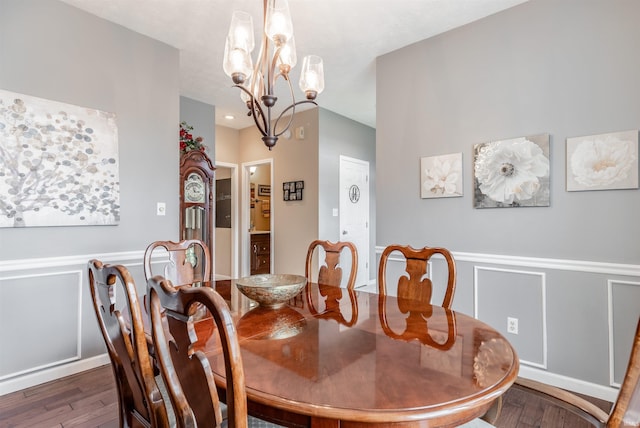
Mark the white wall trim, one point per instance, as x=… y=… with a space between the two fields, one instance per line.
x=544 y=263
x=53 y=373
x=571 y=384
x=77 y=356
x=610 y=285
x=81 y=259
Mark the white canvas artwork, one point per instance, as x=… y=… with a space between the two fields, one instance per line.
x=59 y=164
x=441 y=176
x=603 y=162
x=512 y=173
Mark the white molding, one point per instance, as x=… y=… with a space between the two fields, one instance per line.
x=544 y=263
x=571 y=384
x=610 y=284
x=81 y=259
x=78 y=354
x=53 y=373
x=543 y=285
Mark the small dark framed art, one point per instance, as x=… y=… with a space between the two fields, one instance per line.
x=292 y=190
x=264 y=190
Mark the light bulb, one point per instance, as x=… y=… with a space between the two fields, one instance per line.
x=278 y=26
x=312 y=76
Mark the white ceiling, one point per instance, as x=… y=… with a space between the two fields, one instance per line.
x=347 y=34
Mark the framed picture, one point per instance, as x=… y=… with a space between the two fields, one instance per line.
x=264 y=190
x=441 y=176
x=292 y=190
x=512 y=173
x=60 y=164
x=603 y=162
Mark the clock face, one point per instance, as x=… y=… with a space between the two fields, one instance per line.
x=194 y=189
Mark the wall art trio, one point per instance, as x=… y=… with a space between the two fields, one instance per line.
x=516 y=172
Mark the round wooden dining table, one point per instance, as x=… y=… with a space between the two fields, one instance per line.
x=335 y=357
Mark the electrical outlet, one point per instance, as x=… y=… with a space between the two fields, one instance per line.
x=161 y=208
x=512 y=325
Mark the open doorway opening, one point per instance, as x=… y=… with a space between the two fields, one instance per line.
x=257 y=215
x=225 y=251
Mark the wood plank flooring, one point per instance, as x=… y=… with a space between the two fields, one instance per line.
x=89 y=399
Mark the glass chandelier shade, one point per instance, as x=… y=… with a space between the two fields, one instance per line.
x=276 y=58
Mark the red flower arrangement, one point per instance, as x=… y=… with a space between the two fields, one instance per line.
x=187 y=142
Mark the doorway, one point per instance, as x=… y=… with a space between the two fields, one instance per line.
x=257 y=217
x=226 y=221
x=354 y=211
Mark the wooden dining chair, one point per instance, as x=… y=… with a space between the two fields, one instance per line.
x=330 y=279
x=189 y=261
x=626 y=409
x=330 y=272
x=417 y=286
x=185 y=368
x=139 y=399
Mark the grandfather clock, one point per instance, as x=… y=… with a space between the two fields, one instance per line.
x=196 y=200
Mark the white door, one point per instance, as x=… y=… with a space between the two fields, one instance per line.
x=354 y=211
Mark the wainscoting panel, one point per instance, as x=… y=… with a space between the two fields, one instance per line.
x=48 y=327
x=503 y=294
x=624 y=312
x=40 y=311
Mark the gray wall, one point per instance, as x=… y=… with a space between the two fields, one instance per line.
x=567 y=68
x=54 y=51
x=342 y=136
x=202 y=117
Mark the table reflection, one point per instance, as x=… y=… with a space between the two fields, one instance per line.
x=332 y=303
x=270 y=323
x=416 y=322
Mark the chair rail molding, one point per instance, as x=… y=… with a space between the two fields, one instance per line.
x=79 y=259
x=545 y=263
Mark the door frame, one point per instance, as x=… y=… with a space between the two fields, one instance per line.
x=245 y=263
x=234 y=218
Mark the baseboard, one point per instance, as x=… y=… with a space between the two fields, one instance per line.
x=578 y=386
x=33 y=379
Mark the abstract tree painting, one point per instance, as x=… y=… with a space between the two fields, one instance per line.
x=58 y=164
x=603 y=162
x=512 y=173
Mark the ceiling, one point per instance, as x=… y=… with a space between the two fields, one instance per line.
x=347 y=34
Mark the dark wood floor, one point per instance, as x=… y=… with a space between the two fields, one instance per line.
x=88 y=399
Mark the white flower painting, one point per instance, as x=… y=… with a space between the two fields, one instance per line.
x=512 y=173
x=441 y=176
x=603 y=162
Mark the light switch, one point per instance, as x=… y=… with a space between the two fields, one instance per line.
x=161 y=208
x=335 y=212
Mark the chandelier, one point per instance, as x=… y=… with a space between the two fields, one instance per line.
x=276 y=58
